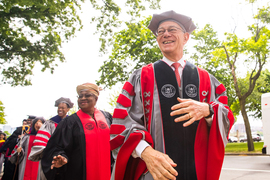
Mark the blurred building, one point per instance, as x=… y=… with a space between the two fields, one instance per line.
x=8 y=128
x=255 y=127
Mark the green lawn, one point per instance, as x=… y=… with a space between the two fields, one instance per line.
x=242 y=147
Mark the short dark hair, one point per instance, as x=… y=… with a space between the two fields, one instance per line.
x=3 y=133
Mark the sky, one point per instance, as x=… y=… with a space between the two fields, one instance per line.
x=83 y=60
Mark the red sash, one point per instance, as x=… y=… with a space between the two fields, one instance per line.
x=31 y=167
x=97 y=138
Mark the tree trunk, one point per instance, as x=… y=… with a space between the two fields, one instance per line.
x=247 y=125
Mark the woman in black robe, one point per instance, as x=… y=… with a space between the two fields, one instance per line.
x=79 y=147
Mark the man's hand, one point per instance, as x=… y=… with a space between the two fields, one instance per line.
x=19 y=149
x=193 y=110
x=58 y=161
x=160 y=165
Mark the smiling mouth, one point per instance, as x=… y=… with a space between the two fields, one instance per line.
x=167 y=42
x=83 y=102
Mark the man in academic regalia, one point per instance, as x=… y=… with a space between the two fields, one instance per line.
x=79 y=148
x=172 y=119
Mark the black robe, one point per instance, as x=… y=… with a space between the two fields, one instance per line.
x=10 y=143
x=69 y=135
x=70 y=127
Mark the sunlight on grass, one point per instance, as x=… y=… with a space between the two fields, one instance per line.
x=242 y=147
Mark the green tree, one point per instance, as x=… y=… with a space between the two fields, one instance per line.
x=133 y=47
x=206 y=43
x=7 y=133
x=254 y=100
x=73 y=110
x=250 y=54
x=113 y=98
x=32 y=31
x=2 y=114
x=256 y=51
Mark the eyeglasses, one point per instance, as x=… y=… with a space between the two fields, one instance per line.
x=85 y=95
x=171 y=30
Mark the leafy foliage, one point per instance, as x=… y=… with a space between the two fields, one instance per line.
x=208 y=57
x=7 y=133
x=2 y=114
x=32 y=31
x=113 y=98
x=253 y=101
x=133 y=47
x=252 y=55
x=113 y=16
x=73 y=110
x=222 y=59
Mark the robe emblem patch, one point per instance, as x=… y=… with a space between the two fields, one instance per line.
x=102 y=125
x=168 y=90
x=89 y=126
x=191 y=90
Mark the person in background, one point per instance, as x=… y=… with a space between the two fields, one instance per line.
x=2 y=137
x=2 y=155
x=45 y=132
x=9 y=145
x=172 y=119
x=27 y=169
x=79 y=148
x=24 y=122
x=63 y=106
x=30 y=120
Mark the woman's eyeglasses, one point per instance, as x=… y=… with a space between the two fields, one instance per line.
x=85 y=95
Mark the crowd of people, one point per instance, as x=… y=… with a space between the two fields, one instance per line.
x=171 y=121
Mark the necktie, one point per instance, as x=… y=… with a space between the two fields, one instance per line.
x=176 y=66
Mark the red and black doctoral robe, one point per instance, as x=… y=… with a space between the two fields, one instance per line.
x=143 y=113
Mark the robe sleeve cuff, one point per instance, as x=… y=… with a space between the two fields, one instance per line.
x=139 y=149
x=209 y=121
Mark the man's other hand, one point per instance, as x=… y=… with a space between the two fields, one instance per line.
x=160 y=165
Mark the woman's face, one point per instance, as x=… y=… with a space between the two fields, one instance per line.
x=62 y=110
x=38 y=125
x=2 y=136
x=86 y=101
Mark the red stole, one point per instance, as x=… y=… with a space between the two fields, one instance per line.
x=97 y=144
x=31 y=167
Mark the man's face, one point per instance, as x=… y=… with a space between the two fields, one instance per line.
x=62 y=110
x=172 y=43
x=29 y=121
x=24 y=122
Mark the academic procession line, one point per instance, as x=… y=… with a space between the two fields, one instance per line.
x=171 y=121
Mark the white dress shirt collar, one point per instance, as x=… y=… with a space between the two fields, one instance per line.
x=169 y=62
